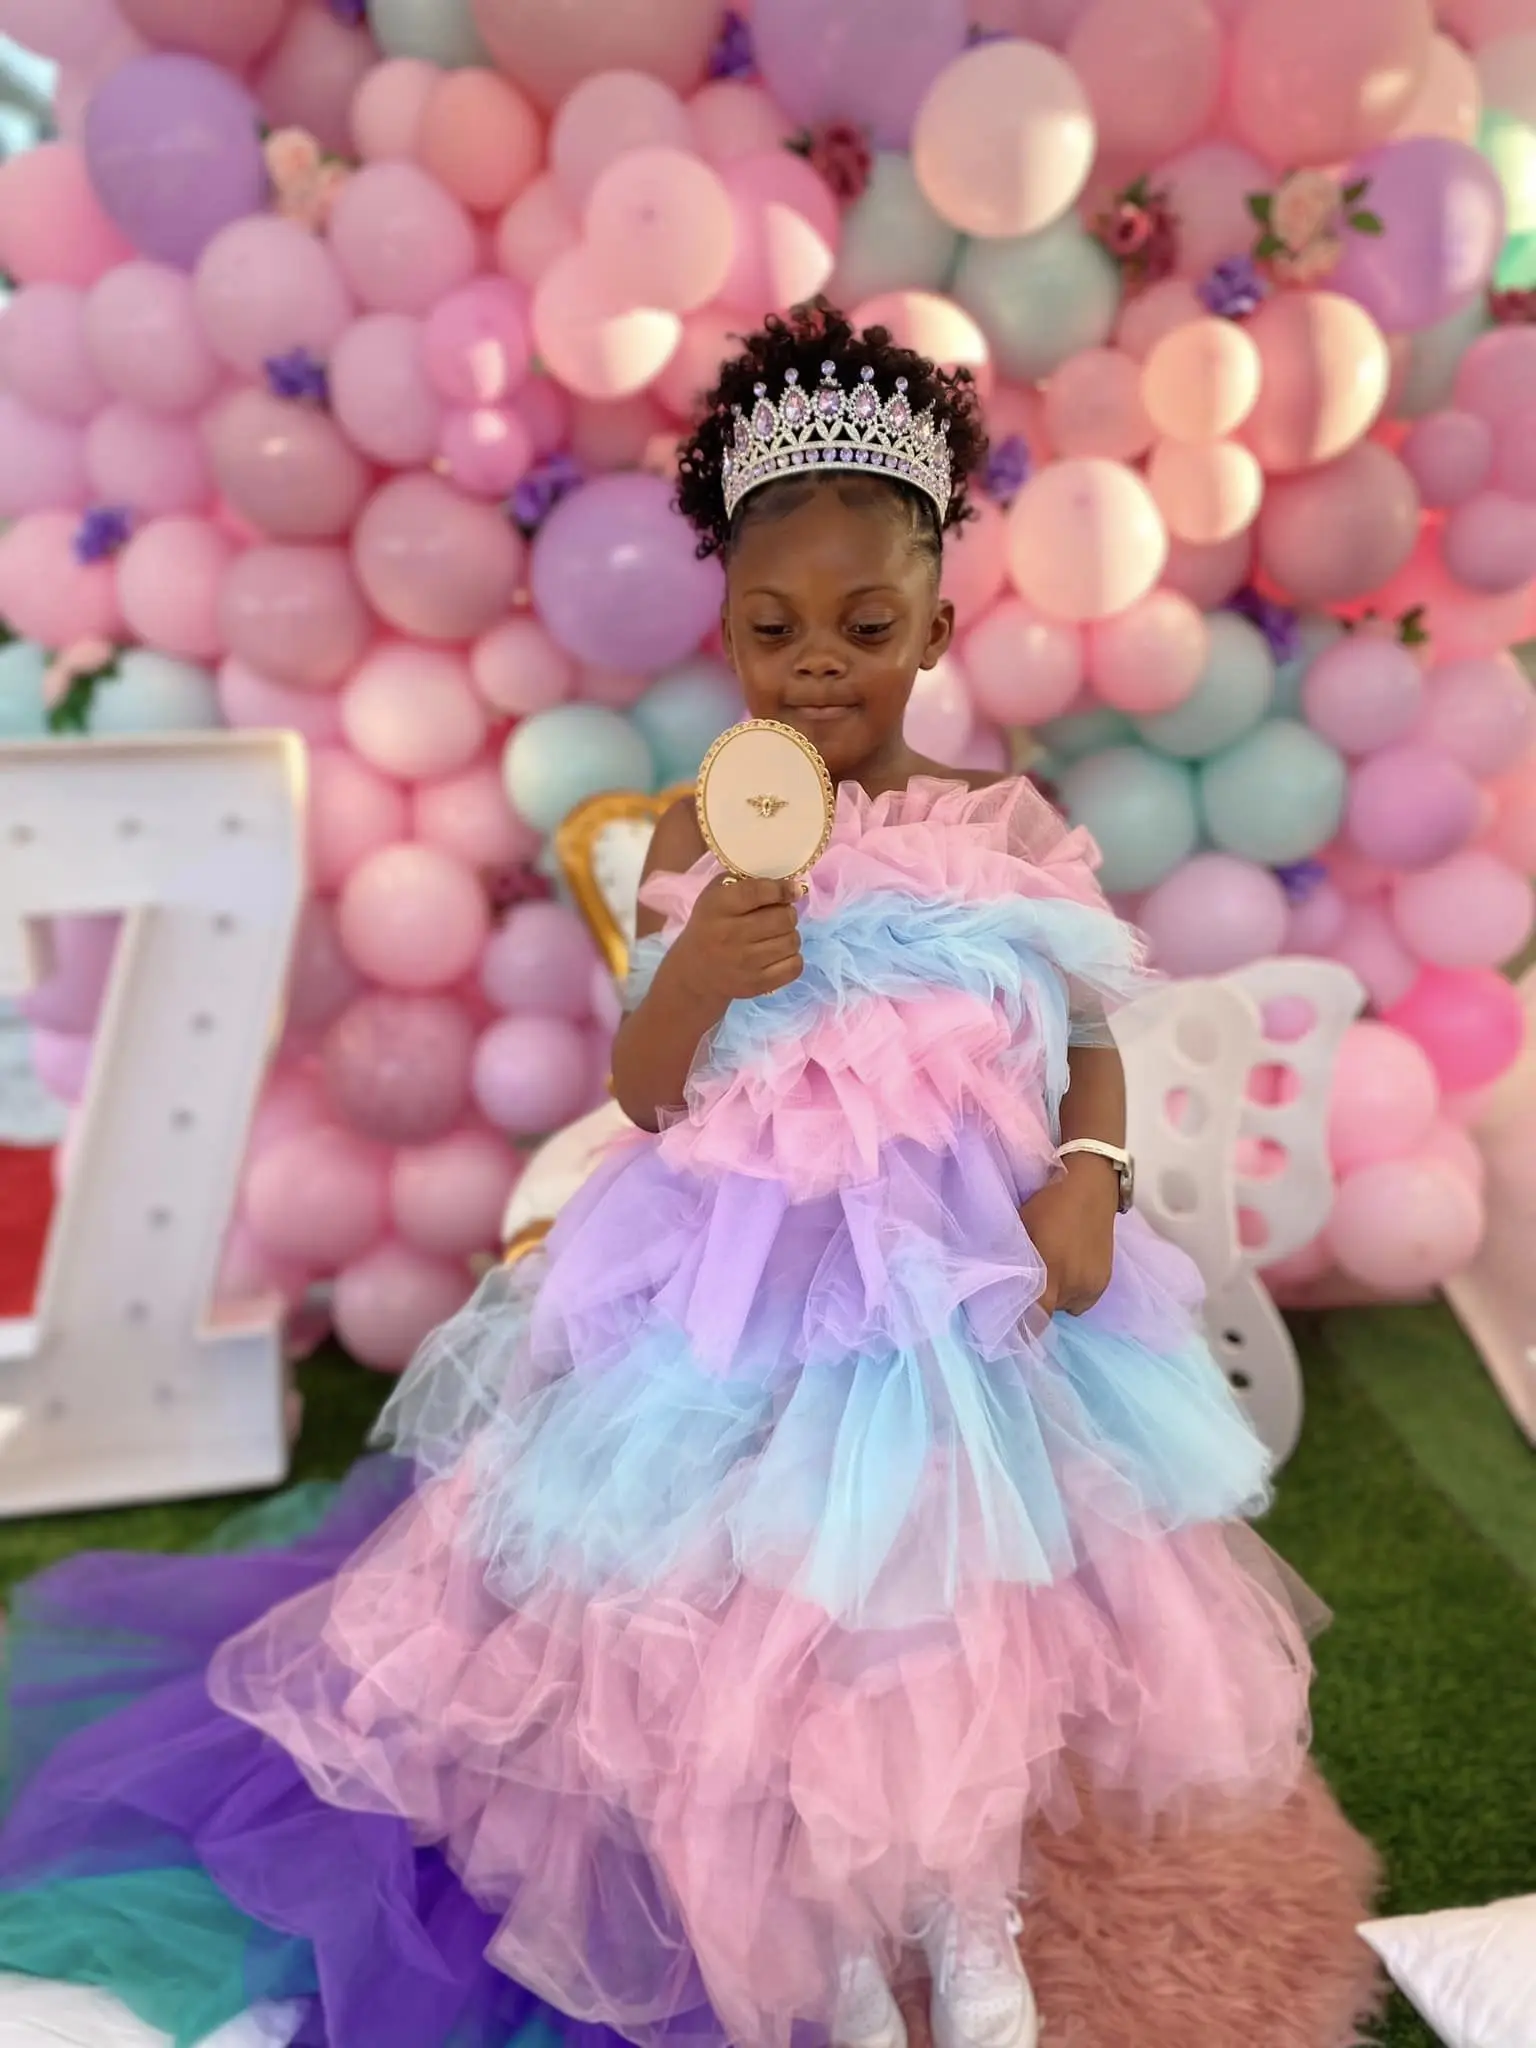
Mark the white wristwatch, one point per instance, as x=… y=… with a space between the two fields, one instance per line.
x=1119 y=1159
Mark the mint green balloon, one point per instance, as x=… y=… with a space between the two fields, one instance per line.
x=1317 y=633
x=682 y=715
x=441 y=31
x=23 y=714
x=1141 y=809
x=1039 y=298
x=1516 y=271
x=155 y=693
x=1434 y=356
x=1089 y=732
x=1510 y=146
x=1231 y=696
x=893 y=241
x=1277 y=796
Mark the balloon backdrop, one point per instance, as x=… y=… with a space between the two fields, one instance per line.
x=341 y=391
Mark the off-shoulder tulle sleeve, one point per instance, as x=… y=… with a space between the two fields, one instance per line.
x=671 y=896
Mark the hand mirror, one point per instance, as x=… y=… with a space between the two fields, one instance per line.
x=765 y=802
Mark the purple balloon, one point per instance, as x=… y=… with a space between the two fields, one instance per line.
x=616 y=578
x=173 y=145
x=1411 y=806
x=870 y=62
x=1441 y=208
x=1213 y=914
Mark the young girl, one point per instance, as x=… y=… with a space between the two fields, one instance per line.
x=848 y=1490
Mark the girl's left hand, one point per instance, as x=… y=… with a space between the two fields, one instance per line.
x=1071 y=1223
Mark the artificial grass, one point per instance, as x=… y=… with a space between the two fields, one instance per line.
x=1410 y=1507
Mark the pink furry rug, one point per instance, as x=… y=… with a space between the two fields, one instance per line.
x=1235 y=1938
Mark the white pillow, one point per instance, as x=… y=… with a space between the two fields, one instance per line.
x=1470 y=1973
x=34 y=2014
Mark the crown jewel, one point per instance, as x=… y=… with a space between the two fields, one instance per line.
x=836 y=427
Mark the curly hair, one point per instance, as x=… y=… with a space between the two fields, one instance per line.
x=812 y=335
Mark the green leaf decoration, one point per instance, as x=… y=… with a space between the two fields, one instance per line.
x=1356 y=192
x=8 y=634
x=1262 y=206
x=1366 y=223
x=72 y=714
x=1411 y=629
x=801 y=144
x=1269 y=246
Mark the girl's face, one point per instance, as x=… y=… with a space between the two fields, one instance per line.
x=832 y=606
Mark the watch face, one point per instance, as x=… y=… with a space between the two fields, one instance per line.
x=1127 y=1186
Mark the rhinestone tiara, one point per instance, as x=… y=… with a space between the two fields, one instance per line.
x=833 y=426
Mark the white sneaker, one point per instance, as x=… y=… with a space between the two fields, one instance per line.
x=981 y=1995
x=867 y=2015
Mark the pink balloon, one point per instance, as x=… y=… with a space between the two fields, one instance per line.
x=935 y=327
x=292 y=1101
x=381 y=393
x=248 y=1272
x=729 y=119
x=476 y=344
x=607 y=117
x=435 y=565
x=941 y=719
x=1301 y=1270
x=1514 y=457
x=540 y=963
x=1384 y=1100
x=1004 y=141
x=1208 y=491
x=1208 y=188
x=1151 y=314
x=1513 y=836
x=388 y=1302
x=976 y=563
x=52 y=227
x=319 y=1197
x=44 y=353
x=1468 y=911
x=1024 y=669
x=1151 y=70
x=255 y=702
x=611 y=688
x=546 y=412
x=311 y=76
x=1085 y=540
x=63 y=31
x=469 y=816
x=1150 y=657
x=480 y=139
x=397 y=1066
x=519 y=670
x=1497 y=376
x=286 y=468
x=231 y=34
x=69 y=998
x=1471 y=1025
x=1451 y=1146
x=62 y=1063
x=448 y=1199
x=401 y=242
x=1368 y=945
x=1213 y=914
x=1093 y=406
x=1480 y=712
x=1310 y=82
x=1449 y=101
x=664 y=226
x=705 y=344
x=45 y=462
x=1406 y=1225
x=266 y=287
x=321 y=979
x=610 y=435
x=1317 y=922
x=533 y=1075
x=1208 y=575
x=143 y=459
x=146 y=339
x=1363 y=694
x=413 y=918
x=1489 y=543
x=1449 y=455
x=1339 y=532
x=485 y=452
x=1410 y=807
x=169 y=579
x=1201 y=381
x=411 y=712
x=353 y=814
x=595 y=343
x=47 y=595
x=786 y=232
x=548 y=55
x=536 y=228
x=1325 y=370
x=295 y=614
x=388 y=109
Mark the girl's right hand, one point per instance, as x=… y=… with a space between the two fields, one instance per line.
x=742 y=941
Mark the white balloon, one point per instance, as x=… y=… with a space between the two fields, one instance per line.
x=442 y=31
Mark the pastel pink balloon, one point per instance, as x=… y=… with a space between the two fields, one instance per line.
x=976 y=563
x=1325 y=370
x=1449 y=455
x=448 y=1199
x=1301 y=1270
x=266 y=287
x=1407 y=1225
x=519 y=670
x=546 y=411
x=1368 y=945
x=62 y=1063
x=286 y=468
x=292 y=1101
x=380 y=391
x=412 y=917
x=606 y=435
x=540 y=963
x=45 y=355
x=941 y=717
x=486 y=452
x=1334 y=534
x=434 y=564
x=411 y=712
x=1201 y=381
x=1514 y=457
x=1208 y=188
x=319 y=1197
x=1317 y=922
x=388 y=108
x=402 y=243
x=786 y=232
x=1208 y=575
x=480 y=139
x=63 y=31
x=1150 y=657
x=1513 y=834
x=664 y=226
x=146 y=338
x=397 y=1066
x=1093 y=406
x=1085 y=540
x=1468 y=911
x=1449 y=101
x=469 y=816
x=1309 y=82
x=353 y=814
x=1470 y=1025
x=536 y=228
x=1453 y=1147
x=254 y=701
x=533 y=1075
x=1151 y=70
x=550 y=54
x=296 y=614
x=1384 y=1097
x=1480 y=712
x=1496 y=377
x=610 y=688
x=388 y=1302
x=1151 y=314
x=1207 y=491
x=1363 y=694
x=595 y=343
x=705 y=344
x=1410 y=807
x=607 y=117
x=729 y=118
x=935 y=327
x=1489 y=543
x=1213 y=914
x=1004 y=141
x=52 y=227
x=311 y=75
x=321 y=979
x=70 y=997
x=1023 y=668
x=248 y=1272
x=231 y=35
x=143 y=459
x=47 y=595
x=169 y=580
x=45 y=462
x=476 y=345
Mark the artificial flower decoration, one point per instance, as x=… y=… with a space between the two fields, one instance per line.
x=306 y=183
x=733 y=55
x=541 y=491
x=1303 y=223
x=1009 y=467
x=1141 y=231
x=1280 y=624
x=1513 y=308
x=104 y=531
x=841 y=156
x=1233 y=289
x=300 y=377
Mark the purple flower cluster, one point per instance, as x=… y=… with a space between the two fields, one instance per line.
x=1233 y=290
x=733 y=55
x=1277 y=622
x=1302 y=880
x=1009 y=468
x=352 y=13
x=299 y=376
x=541 y=491
x=103 y=532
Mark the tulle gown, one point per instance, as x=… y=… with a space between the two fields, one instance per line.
x=769 y=1564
